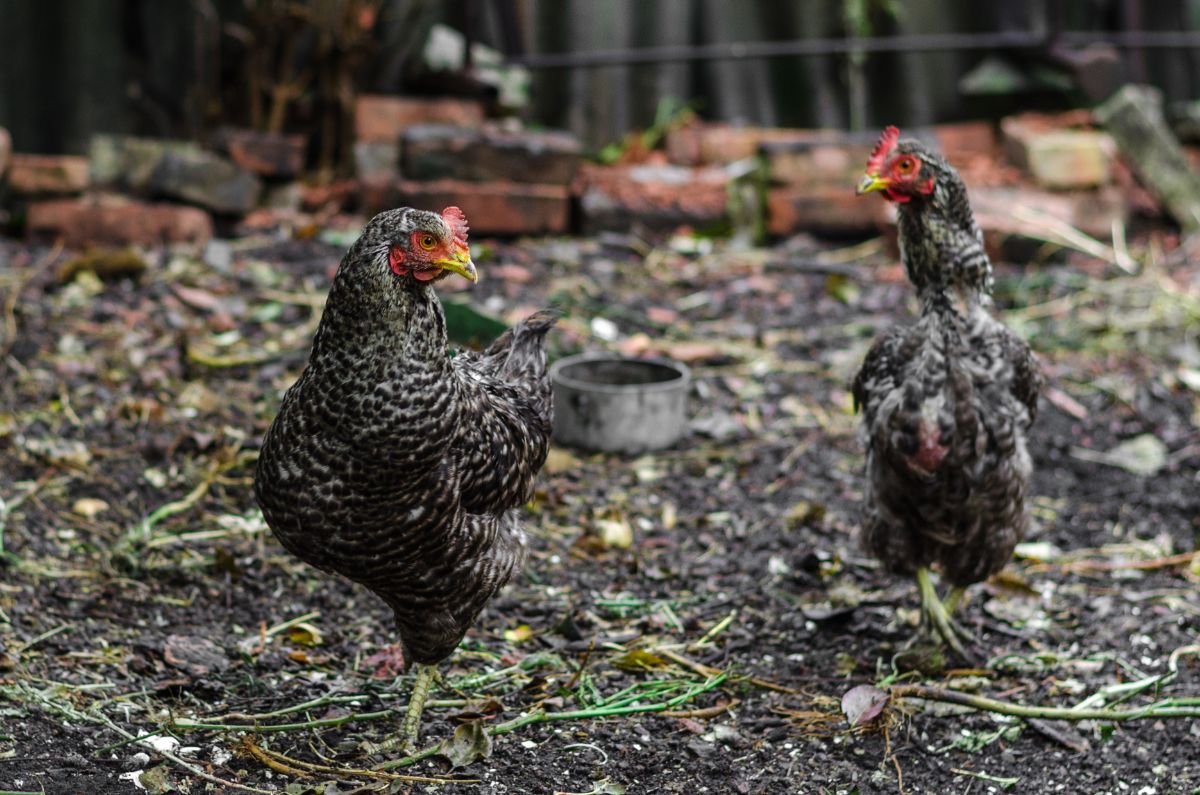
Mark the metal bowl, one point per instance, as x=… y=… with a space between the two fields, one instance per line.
x=617 y=404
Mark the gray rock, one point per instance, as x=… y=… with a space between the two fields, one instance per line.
x=207 y=180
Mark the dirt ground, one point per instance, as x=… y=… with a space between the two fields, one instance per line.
x=711 y=599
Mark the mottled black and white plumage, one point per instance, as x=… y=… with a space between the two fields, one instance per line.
x=396 y=465
x=947 y=402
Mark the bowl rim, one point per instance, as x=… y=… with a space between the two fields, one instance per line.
x=681 y=381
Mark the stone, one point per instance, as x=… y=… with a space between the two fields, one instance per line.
x=829 y=210
x=499 y=207
x=662 y=197
x=384 y=118
x=129 y=162
x=208 y=180
x=265 y=153
x=116 y=221
x=1134 y=118
x=445 y=152
x=175 y=170
x=1059 y=159
x=42 y=175
x=5 y=151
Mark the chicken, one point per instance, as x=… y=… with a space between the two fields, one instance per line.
x=948 y=402
x=400 y=467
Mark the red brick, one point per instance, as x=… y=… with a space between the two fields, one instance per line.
x=333 y=197
x=823 y=159
x=717 y=144
x=116 y=221
x=34 y=175
x=265 y=153
x=1015 y=211
x=965 y=140
x=492 y=208
x=653 y=197
x=824 y=210
x=444 y=152
x=384 y=118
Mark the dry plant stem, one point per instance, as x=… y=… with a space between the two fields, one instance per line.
x=1168 y=708
x=298 y=767
x=185 y=724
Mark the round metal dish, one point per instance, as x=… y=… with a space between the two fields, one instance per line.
x=617 y=404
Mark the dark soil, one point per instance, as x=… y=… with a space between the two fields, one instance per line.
x=119 y=397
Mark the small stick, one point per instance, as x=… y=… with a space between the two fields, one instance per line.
x=44 y=636
x=286 y=764
x=275 y=630
x=1084 y=566
x=702 y=714
x=717 y=629
x=266 y=759
x=1169 y=708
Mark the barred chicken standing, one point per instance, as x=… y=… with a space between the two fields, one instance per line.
x=947 y=402
x=397 y=466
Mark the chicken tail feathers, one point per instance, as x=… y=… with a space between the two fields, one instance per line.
x=527 y=346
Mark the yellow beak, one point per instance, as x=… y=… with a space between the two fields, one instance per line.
x=459 y=262
x=871 y=182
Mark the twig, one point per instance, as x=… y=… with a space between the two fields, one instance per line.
x=702 y=714
x=299 y=767
x=717 y=629
x=266 y=728
x=1167 y=708
x=1084 y=566
x=44 y=636
x=271 y=762
x=286 y=625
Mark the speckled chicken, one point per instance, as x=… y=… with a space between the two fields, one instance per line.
x=947 y=402
x=398 y=466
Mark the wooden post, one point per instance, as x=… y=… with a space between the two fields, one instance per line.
x=1134 y=118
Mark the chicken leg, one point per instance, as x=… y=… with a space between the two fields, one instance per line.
x=410 y=727
x=936 y=618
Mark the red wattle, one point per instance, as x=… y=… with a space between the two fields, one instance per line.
x=396 y=259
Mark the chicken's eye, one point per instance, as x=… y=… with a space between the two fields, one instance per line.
x=906 y=165
x=427 y=242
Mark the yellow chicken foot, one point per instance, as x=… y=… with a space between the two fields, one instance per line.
x=410 y=728
x=936 y=617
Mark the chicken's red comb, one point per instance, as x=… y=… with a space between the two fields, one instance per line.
x=887 y=142
x=457 y=221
